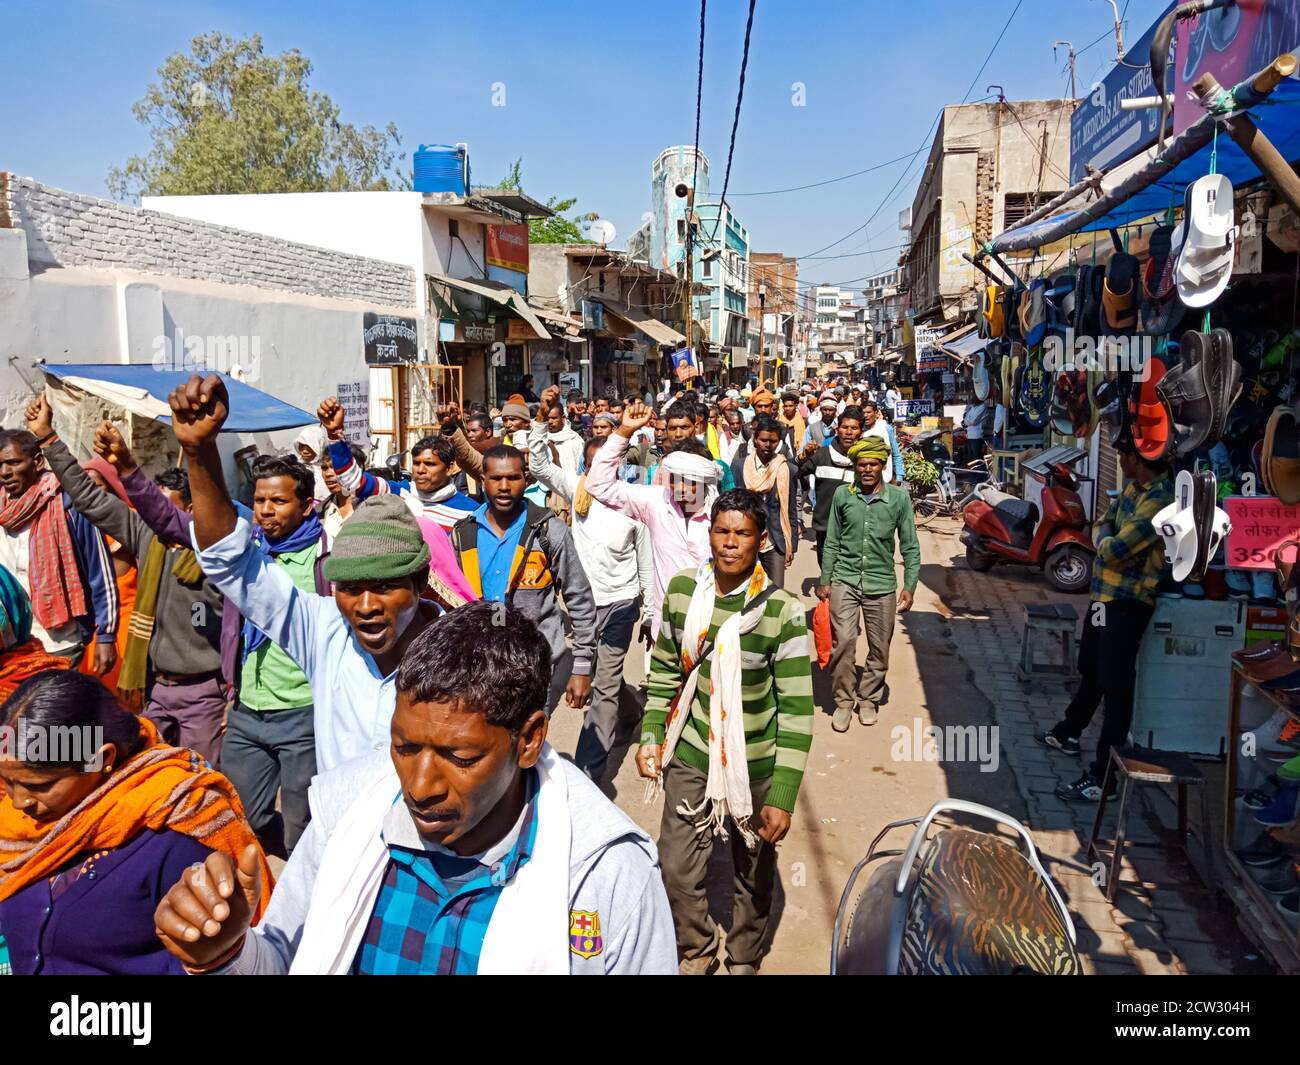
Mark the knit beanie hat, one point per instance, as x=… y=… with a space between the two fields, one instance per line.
x=380 y=541
x=516 y=408
x=874 y=447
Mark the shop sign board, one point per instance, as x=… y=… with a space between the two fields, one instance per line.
x=389 y=340
x=354 y=397
x=1260 y=525
x=1232 y=43
x=507 y=247
x=569 y=381
x=1101 y=134
x=929 y=356
x=908 y=409
x=517 y=330
x=479 y=334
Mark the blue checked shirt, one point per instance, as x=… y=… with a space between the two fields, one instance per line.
x=434 y=906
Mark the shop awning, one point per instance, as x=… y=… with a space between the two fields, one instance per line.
x=498 y=293
x=143 y=390
x=968 y=342
x=1149 y=184
x=638 y=319
x=557 y=318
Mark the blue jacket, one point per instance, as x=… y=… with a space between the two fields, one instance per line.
x=95 y=566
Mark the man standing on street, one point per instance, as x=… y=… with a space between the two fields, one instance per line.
x=830 y=467
x=874 y=424
x=859 y=576
x=730 y=673
x=762 y=467
x=1125 y=573
x=615 y=554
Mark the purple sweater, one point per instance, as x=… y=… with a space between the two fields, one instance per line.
x=102 y=924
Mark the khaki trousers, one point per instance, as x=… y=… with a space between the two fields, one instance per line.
x=878 y=624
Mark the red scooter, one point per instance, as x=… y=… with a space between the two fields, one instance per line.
x=1002 y=528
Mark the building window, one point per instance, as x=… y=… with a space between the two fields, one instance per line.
x=681 y=230
x=1016 y=205
x=707 y=268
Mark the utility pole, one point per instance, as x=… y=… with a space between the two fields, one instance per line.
x=1067 y=44
x=685 y=191
x=1119 y=31
x=762 y=335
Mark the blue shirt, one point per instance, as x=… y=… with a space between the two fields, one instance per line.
x=433 y=909
x=496 y=555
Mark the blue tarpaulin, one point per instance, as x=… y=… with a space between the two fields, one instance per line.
x=1278 y=119
x=251 y=409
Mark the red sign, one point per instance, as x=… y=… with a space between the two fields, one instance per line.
x=507 y=247
x=1232 y=43
x=1260 y=525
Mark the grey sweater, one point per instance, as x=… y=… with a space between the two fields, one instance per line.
x=187 y=620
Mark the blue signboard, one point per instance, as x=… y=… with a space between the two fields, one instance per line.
x=1101 y=135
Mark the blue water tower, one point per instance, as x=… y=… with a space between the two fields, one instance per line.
x=442 y=168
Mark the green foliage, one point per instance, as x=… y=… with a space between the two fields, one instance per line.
x=229 y=119
x=557 y=229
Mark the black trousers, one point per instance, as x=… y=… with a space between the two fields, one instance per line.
x=1108 y=654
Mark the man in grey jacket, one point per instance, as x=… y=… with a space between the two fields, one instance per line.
x=469 y=847
x=521 y=554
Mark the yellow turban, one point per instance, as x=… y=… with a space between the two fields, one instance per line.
x=874 y=447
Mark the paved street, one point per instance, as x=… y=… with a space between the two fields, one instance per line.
x=953 y=663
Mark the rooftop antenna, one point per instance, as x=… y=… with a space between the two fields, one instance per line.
x=1069 y=45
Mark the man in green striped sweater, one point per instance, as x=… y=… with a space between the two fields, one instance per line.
x=730 y=640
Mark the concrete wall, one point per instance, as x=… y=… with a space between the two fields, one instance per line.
x=72 y=291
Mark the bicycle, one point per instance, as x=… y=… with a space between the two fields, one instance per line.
x=952 y=489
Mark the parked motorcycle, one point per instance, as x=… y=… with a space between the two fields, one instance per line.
x=1003 y=528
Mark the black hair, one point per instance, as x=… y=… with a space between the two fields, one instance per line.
x=748 y=503
x=505 y=451
x=22 y=440
x=178 y=480
x=482 y=419
x=285 y=466
x=680 y=408
x=870 y=403
x=439 y=445
x=526 y=377
x=488 y=658
x=765 y=423
x=691 y=446
x=853 y=414
x=789 y=397
x=359 y=455
x=575 y=395
x=55 y=701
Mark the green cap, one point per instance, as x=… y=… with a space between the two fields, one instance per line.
x=380 y=541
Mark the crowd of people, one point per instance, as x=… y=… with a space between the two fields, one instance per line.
x=353 y=669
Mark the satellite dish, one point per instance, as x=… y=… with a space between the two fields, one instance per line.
x=601 y=232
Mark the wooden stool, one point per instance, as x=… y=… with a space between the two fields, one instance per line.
x=1058 y=619
x=1142 y=765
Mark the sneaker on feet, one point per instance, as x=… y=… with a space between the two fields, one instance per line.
x=842 y=719
x=1282 y=811
x=868 y=714
x=1069 y=745
x=1086 y=789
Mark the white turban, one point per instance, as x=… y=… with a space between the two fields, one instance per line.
x=692 y=467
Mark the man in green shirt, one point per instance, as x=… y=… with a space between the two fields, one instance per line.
x=859 y=575
x=730 y=670
x=270 y=741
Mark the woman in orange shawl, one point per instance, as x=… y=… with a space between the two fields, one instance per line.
x=90 y=791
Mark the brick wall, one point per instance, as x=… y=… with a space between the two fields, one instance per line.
x=66 y=229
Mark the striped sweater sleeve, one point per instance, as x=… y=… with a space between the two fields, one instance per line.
x=792 y=683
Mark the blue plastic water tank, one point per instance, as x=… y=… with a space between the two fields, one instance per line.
x=441 y=168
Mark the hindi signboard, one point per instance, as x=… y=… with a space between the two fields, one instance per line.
x=1260 y=525
x=908 y=409
x=389 y=340
x=354 y=396
x=929 y=356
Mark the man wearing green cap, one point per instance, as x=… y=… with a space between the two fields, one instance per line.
x=349 y=646
x=859 y=575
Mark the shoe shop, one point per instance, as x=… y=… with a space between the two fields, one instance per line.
x=1152 y=312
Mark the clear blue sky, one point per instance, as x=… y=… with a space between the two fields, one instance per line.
x=593 y=90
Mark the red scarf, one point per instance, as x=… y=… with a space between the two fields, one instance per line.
x=57 y=593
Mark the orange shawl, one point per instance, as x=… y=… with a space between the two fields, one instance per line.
x=162 y=787
x=26 y=661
